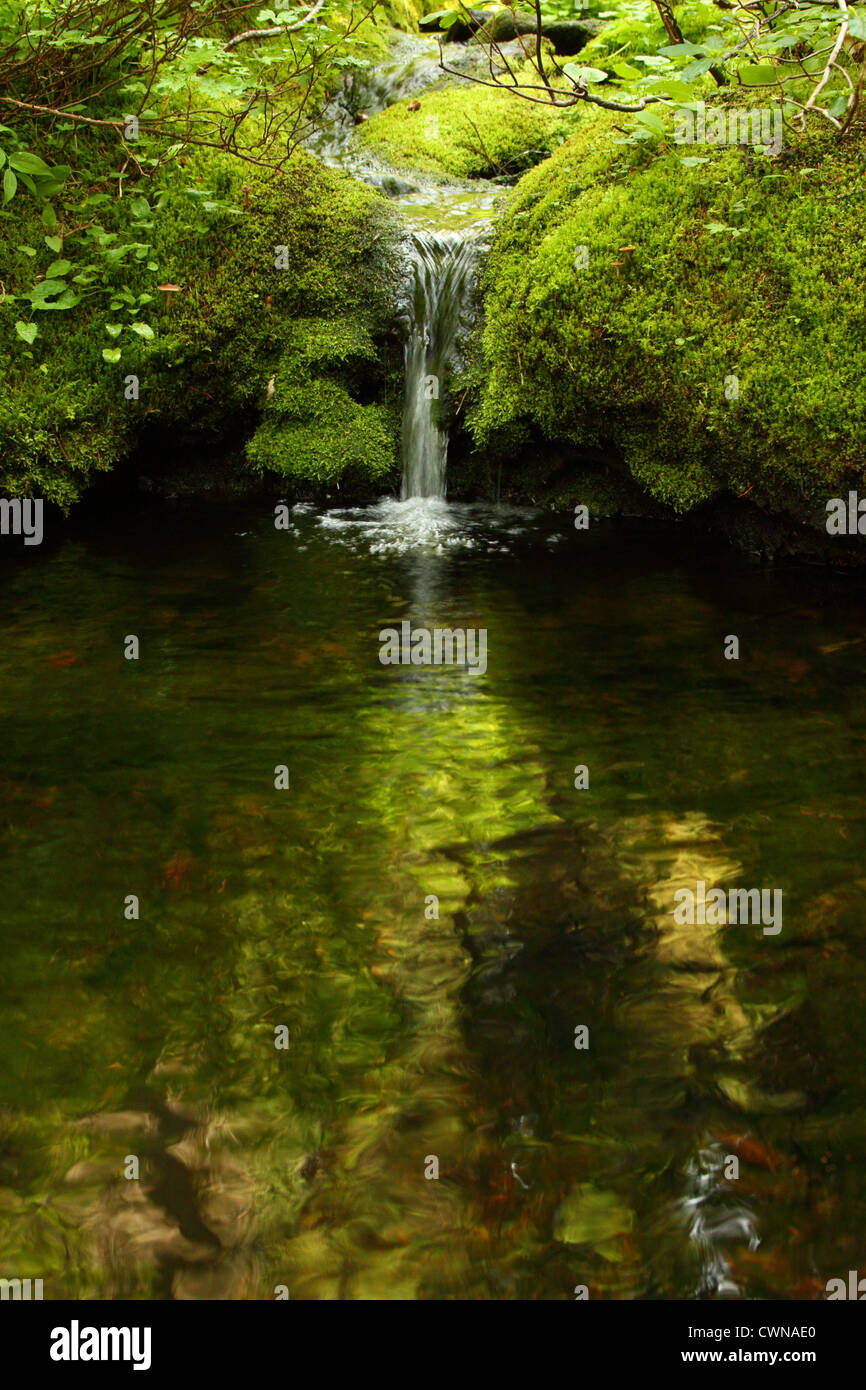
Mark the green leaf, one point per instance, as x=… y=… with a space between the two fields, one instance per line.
x=669 y=86
x=27 y=163
x=652 y=122
x=10 y=185
x=49 y=185
x=627 y=71
x=27 y=250
x=111 y=354
x=675 y=50
x=696 y=69
x=857 y=26
x=27 y=331
x=652 y=60
x=45 y=289
x=114 y=330
x=140 y=207
x=54 y=244
x=49 y=217
x=58 y=269
x=690 y=161
x=67 y=300
x=143 y=330
x=27 y=182
x=583 y=77
x=757 y=74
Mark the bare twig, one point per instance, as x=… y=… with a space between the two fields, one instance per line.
x=276 y=31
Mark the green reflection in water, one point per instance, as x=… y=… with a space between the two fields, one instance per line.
x=413 y=1037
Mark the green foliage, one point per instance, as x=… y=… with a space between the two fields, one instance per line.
x=783 y=52
x=742 y=267
x=639 y=30
x=203 y=359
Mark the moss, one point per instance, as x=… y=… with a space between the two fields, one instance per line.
x=319 y=433
x=741 y=267
x=214 y=228
x=211 y=225
x=406 y=14
x=315 y=428
x=465 y=132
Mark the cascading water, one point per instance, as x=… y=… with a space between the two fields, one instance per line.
x=442 y=264
x=446 y=222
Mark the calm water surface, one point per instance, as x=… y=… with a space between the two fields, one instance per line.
x=410 y=1037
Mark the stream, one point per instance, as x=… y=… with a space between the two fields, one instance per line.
x=446 y=226
x=413 y=1036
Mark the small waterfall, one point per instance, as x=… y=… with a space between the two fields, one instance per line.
x=441 y=265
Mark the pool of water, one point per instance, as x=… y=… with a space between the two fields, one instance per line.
x=419 y=1041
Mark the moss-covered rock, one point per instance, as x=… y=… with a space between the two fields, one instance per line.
x=253 y=255
x=702 y=320
x=298 y=293
x=315 y=427
x=467 y=131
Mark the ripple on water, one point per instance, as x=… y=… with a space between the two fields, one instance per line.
x=426 y=524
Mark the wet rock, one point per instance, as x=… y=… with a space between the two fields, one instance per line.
x=567 y=36
x=394 y=187
x=228 y=1280
x=89 y=1170
x=119 y=1122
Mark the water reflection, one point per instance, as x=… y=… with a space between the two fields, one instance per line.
x=415 y=1035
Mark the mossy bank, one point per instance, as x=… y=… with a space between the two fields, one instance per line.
x=278 y=342
x=699 y=326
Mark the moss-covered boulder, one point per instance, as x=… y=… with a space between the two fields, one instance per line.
x=467 y=131
x=267 y=267
x=316 y=426
x=695 y=314
x=567 y=36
